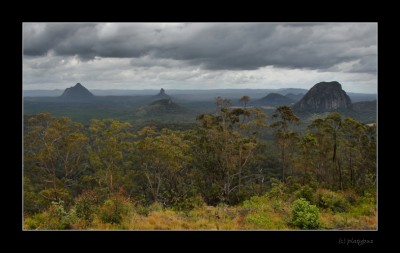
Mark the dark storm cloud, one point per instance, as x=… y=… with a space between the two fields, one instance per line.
x=234 y=46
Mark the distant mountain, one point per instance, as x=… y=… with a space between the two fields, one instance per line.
x=365 y=106
x=365 y=111
x=43 y=93
x=78 y=92
x=161 y=95
x=160 y=107
x=324 y=97
x=285 y=91
x=358 y=97
x=274 y=99
x=295 y=97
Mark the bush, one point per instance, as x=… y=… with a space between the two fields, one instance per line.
x=156 y=207
x=350 y=196
x=114 y=209
x=331 y=200
x=58 y=218
x=188 y=203
x=142 y=210
x=85 y=207
x=55 y=218
x=146 y=210
x=260 y=219
x=35 y=222
x=278 y=189
x=305 y=215
x=306 y=192
x=256 y=203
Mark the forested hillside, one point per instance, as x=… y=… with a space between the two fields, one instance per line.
x=221 y=174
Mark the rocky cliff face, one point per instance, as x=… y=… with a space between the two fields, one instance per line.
x=78 y=92
x=324 y=97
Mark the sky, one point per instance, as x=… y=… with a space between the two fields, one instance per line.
x=199 y=55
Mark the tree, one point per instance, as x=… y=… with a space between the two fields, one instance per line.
x=333 y=123
x=307 y=145
x=346 y=152
x=162 y=156
x=111 y=143
x=284 y=136
x=226 y=147
x=54 y=155
x=245 y=100
x=359 y=154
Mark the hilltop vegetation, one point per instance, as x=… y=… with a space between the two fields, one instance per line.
x=218 y=174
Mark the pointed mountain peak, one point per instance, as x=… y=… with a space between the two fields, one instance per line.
x=77 y=92
x=161 y=95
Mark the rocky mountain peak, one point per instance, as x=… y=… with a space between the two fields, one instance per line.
x=324 y=97
x=77 y=92
x=161 y=95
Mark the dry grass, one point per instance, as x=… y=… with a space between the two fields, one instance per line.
x=258 y=214
x=346 y=221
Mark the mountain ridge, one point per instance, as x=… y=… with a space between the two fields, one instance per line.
x=274 y=99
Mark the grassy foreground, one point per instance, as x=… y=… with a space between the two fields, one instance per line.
x=305 y=208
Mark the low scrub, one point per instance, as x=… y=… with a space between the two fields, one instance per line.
x=305 y=215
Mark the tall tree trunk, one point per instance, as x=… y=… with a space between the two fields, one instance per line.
x=351 y=172
x=340 y=175
x=283 y=163
x=240 y=167
x=334 y=159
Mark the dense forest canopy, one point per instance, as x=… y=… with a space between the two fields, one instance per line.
x=100 y=175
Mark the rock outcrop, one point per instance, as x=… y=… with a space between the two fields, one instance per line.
x=324 y=97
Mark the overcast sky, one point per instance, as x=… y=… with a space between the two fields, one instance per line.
x=199 y=55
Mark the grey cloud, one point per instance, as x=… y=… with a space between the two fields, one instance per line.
x=235 y=46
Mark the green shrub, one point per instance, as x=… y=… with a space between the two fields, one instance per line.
x=188 y=203
x=55 y=218
x=85 y=207
x=350 y=197
x=142 y=210
x=146 y=210
x=156 y=207
x=278 y=189
x=256 y=209
x=260 y=219
x=332 y=201
x=256 y=203
x=305 y=215
x=58 y=218
x=114 y=209
x=35 y=222
x=306 y=192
